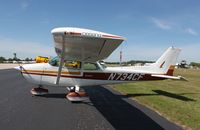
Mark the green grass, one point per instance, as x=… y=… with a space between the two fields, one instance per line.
x=179 y=101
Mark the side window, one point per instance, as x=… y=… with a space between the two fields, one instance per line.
x=72 y=64
x=68 y=64
x=90 y=66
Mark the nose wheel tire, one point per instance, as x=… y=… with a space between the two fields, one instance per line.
x=39 y=91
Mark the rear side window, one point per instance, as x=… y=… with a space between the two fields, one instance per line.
x=72 y=64
x=90 y=66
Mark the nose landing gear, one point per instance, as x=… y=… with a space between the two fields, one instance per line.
x=39 y=91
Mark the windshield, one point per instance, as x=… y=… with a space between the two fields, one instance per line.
x=54 y=61
x=103 y=65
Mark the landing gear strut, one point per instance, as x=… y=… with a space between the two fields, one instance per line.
x=39 y=91
x=75 y=95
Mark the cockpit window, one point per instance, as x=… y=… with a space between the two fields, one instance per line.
x=54 y=61
x=90 y=66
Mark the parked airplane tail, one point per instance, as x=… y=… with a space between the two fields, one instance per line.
x=166 y=63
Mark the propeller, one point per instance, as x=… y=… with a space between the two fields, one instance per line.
x=19 y=67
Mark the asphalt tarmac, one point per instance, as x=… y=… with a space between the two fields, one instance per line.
x=105 y=110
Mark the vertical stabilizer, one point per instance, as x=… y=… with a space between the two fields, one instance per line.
x=167 y=61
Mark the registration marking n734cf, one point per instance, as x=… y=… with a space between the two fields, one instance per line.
x=125 y=76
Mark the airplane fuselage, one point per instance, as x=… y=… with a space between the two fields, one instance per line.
x=46 y=74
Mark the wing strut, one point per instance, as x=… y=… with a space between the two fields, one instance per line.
x=61 y=61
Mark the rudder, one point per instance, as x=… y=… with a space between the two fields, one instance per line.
x=166 y=63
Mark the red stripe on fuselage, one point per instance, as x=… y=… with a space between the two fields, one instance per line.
x=109 y=36
x=105 y=76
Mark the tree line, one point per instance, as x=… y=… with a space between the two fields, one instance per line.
x=3 y=59
x=195 y=64
x=132 y=62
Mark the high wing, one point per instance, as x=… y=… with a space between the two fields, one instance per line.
x=83 y=44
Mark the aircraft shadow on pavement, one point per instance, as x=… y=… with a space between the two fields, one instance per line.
x=178 y=96
x=119 y=113
x=54 y=95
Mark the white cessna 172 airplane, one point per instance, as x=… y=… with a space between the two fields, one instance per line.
x=78 y=64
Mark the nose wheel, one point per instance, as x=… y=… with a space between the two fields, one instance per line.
x=75 y=95
x=39 y=91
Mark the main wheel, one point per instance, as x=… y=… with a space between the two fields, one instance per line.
x=77 y=96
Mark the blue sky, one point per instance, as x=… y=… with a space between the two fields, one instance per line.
x=150 y=26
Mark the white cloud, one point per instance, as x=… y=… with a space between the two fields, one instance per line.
x=24 y=48
x=161 y=23
x=165 y=25
x=191 y=31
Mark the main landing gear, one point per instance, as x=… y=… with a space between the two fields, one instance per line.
x=75 y=95
x=39 y=91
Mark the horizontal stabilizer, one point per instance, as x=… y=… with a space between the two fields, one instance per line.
x=169 y=77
